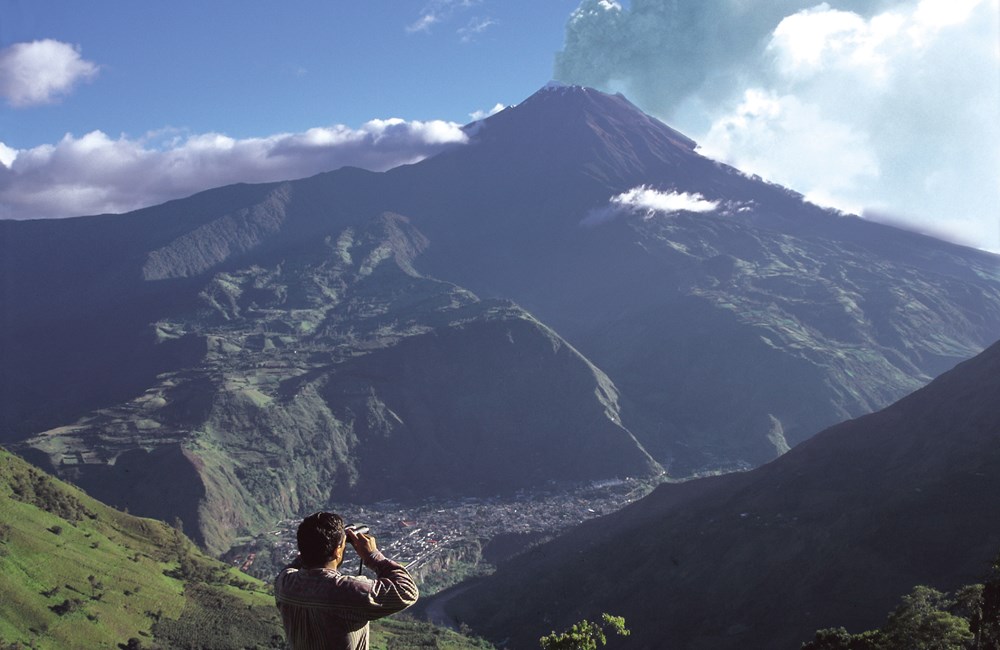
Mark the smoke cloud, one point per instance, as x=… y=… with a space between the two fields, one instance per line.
x=878 y=108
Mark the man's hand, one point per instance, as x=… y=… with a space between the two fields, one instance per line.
x=364 y=543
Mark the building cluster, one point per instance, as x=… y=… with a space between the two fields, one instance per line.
x=413 y=533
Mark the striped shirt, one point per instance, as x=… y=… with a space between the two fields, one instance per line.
x=323 y=609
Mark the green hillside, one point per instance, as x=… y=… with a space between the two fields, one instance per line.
x=75 y=573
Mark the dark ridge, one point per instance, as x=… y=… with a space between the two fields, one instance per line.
x=832 y=533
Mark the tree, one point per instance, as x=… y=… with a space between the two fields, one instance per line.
x=585 y=635
x=987 y=628
x=922 y=622
x=95 y=587
x=840 y=639
x=928 y=619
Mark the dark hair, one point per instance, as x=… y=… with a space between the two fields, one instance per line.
x=319 y=535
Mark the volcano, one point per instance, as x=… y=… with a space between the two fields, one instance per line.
x=573 y=294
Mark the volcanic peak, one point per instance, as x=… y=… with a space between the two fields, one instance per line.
x=567 y=131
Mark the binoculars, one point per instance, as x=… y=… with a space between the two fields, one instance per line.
x=359 y=529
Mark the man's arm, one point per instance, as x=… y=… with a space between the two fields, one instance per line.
x=393 y=590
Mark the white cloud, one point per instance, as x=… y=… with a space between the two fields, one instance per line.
x=790 y=142
x=649 y=202
x=437 y=11
x=474 y=27
x=7 y=155
x=95 y=173
x=811 y=40
x=423 y=24
x=959 y=230
x=931 y=16
x=475 y=116
x=40 y=72
x=591 y=9
x=888 y=106
x=893 y=113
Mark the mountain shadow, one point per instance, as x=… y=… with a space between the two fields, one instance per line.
x=833 y=533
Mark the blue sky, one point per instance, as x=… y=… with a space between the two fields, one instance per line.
x=248 y=68
x=885 y=108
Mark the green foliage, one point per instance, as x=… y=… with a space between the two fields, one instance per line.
x=840 y=639
x=923 y=621
x=986 y=626
x=194 y=568
x=215 y=618
x=34 y=487
x=75 y=573
x=585 y=635
x=404 y=633
x=927 y=619
x=67 y=606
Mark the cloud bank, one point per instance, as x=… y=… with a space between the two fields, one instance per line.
x=40 y=72
x=880 y=108
x=95 y=174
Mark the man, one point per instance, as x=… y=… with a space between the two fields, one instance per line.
x=323 y=608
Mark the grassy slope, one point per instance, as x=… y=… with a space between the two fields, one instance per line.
x=404 y=634
x=75 y=573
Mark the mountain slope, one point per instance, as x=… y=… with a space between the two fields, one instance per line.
x=77 y=307
x=75 y=573
x=336 y=372
x=791 y=316
x=832 y=533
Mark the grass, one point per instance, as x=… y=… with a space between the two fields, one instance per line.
x=75 y=573
x=402 y=633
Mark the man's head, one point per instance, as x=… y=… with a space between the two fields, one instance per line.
x=321 y=538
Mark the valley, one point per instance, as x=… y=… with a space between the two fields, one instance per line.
x=440 y=540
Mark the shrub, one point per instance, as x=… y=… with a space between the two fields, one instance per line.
x=585 y=635
x=67 y=606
